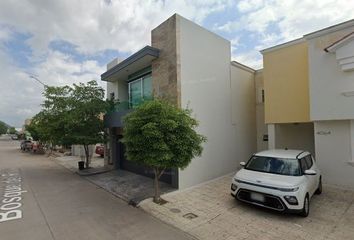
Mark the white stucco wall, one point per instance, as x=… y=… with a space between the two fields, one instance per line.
x=206 y=88
x=328 y=82
x=120 y=89
x=333 y=152
x=123 y=93
x=243 y=109
x=112 y=87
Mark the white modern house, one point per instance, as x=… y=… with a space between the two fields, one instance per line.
x=192 y=67
x=331 y=81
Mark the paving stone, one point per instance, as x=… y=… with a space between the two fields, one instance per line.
x=220 y=216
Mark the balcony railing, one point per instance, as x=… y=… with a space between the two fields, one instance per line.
x=127 y=105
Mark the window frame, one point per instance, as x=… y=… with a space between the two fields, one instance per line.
x=141 y=79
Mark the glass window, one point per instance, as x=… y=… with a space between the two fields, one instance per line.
x=303 y=164
x=281 y=166
x=135 y=93
x=147 y=87
x=140 y=90
x=308 y=160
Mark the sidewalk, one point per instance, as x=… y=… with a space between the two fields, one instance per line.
x=208 y=211
x=125 y=185
x=70 y=162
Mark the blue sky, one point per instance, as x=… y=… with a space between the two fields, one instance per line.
x=65 y=42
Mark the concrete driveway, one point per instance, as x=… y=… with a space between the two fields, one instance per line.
x=208 y=211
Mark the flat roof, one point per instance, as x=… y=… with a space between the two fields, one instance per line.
x=243 y=66
x=137 y=61
x=283 y=45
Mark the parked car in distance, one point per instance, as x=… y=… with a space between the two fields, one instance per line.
x=14 y=137
x=26 y=145
x=279 y=179
x=100 y=150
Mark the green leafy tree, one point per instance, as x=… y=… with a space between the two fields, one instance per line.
x=71 y=115
x=12 y=130
x=160 y=135
x=3 y=127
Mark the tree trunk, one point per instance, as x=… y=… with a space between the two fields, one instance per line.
x=158 y=174
x=156 y=187
x=87 y=163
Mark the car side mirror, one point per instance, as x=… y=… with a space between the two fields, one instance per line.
x=310 y=172
x=242 y=164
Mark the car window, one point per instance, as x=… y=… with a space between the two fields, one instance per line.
x=303 y=164
x=309 y=162
x=274 y=165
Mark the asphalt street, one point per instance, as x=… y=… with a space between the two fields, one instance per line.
x=40 y=199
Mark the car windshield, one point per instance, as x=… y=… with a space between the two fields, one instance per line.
x=281 y=166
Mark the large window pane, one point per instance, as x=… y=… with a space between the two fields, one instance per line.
x=135 y=93
x=147 y=87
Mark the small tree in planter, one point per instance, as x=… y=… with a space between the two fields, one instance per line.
x=160 y=135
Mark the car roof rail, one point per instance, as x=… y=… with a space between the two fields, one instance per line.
x=297 y=156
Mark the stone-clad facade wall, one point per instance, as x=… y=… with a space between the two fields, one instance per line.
x=165 y=76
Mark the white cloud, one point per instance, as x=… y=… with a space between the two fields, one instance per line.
x=277 y=21
x=95 y=25
x=249 y=5
x=21 y=95
x=251 y=58
x=292 y=18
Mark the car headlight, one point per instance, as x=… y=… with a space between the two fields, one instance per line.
x=292 y=200
x=233 y=187
x=289 y=189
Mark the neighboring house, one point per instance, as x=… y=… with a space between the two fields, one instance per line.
x=309 y=99
x=192 y=67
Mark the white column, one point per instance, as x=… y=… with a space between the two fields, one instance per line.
x=271 y=136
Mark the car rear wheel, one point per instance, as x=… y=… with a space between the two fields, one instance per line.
x=319 y=188
x=306 y=209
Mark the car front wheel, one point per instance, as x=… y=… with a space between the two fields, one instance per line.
x=306 y=209
x=319 y=188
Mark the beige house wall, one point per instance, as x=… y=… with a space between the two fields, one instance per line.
x=286 y=84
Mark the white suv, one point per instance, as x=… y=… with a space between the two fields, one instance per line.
x=279 y=179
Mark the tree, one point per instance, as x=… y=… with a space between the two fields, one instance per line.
x=3 y=127
x=71 y=115
x=12 y=130
x=160 y=135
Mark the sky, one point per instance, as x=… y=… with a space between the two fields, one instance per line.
x=65 y=42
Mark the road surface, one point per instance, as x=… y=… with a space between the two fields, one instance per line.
x=42 y=200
